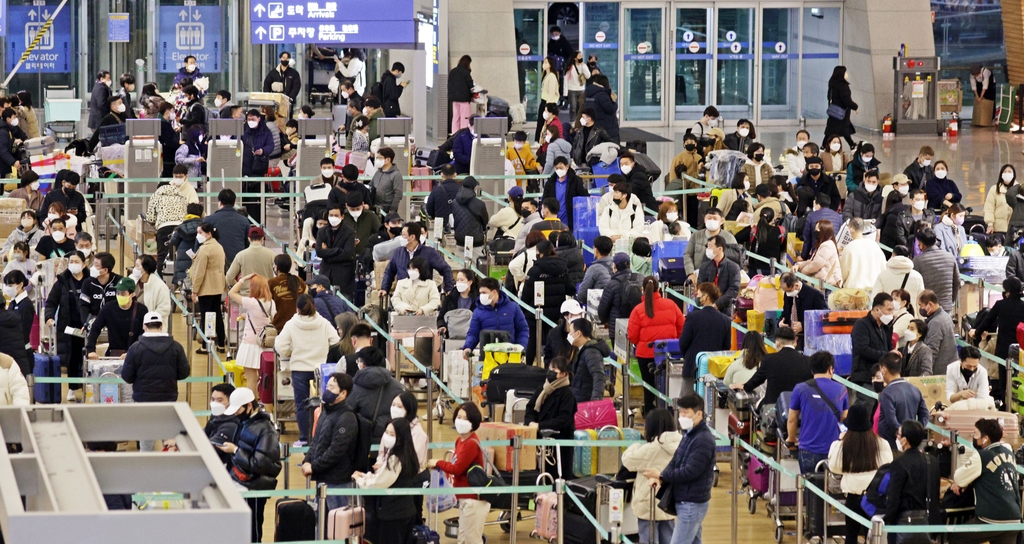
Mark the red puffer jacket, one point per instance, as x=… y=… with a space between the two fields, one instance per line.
x=666 y=323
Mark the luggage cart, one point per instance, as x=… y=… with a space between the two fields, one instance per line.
x=421 y=332
x=819 y=515
x=62 y=112
x=284 y=408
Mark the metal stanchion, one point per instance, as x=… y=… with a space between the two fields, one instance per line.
x=735 y=468
x=31 y=379
x=124 y=234
x=430 y=407
x=799 y=508
x=517 y=446
x=773 y=265
x=954 y=449
x=263 y=201
x=285 y=453
x=877 y=531
x=209 y=366
x=321 y=515
x=1008 y=383
x=614 y=537
x=625 y=395
x=560 y=490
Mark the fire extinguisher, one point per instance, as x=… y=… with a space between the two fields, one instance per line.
x=954 y=125
x=887 y=124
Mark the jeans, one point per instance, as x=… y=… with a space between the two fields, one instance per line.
x=689 y=517
x=662 y=532
x=809 y=460
x=300 y=385
x=338 y=501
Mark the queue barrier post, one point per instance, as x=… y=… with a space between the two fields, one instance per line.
x=1007 y=381
x=517 y=447
x=799 y=508
x=954 y=448
x=877 y=535
x=625 y=396
x=285 y=453
x=560 y=491
x=321 y=514
x=735 y=468
x=430 y=403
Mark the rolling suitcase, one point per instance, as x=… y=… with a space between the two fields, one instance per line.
x=346 y=522
x=515 y=405
x=963 y=421
x=46 y=366
x=672 y=270
x=265 y=387
x=423 y=534
x=512 y=376
x=584 y=459
x=668 y=248
x=296 y=521
x=578 y=530
x=814 y=506
x=545 y=525
x=757 y=475
x=649 y=166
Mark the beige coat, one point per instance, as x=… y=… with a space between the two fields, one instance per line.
x=208 y=270
x=758 y=174
x=997 y=211
x=419 y=295
x=651 y=455
x=13 y=387
x=824 y=259
x=833 y=163
x=28 y=122
x=771 y=202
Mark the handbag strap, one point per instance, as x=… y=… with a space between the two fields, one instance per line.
x=905 y=278
x=488 y=466
x=813 y=383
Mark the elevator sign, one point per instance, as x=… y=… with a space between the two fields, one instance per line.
x=53 y=53
x=189 y=30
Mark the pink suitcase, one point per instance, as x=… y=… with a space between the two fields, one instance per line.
x=346 y=522
x=963 y=421
x=545 y=526
x=596 y=414
x=421 y=185
x=33 y=337
x=757 y=475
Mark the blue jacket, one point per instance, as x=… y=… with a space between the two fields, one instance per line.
x=692 y=468
x=328 y=305
x=824 y=214
x=505 y=316
x=898 y=402
x=944 y=233
x=462 y=150
x=398 y=268
x=183 y=73
x=252 y=140
x=938 y=188
x=234 y=232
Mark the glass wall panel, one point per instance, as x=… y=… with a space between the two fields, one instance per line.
x=692 y=83
x=642 y=62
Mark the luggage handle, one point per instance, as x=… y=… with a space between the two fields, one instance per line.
x=653 y=525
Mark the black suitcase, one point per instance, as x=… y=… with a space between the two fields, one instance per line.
x=296 y=521
x=577 y=529
x=672 y=270
x=814 y=507
x=637 y=146
x=586 y=491
x=649 y=166
x=505 y=378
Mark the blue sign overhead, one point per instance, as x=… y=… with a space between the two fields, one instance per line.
x=330 y=10
x=185 y=31
x=336 y=32
x=53 y=53
x=118 y=27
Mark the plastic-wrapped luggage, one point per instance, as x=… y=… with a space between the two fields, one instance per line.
x=723 y=165
x=991 y=269
x=584 y=212
x=963 y=421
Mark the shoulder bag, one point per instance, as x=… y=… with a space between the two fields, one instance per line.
x=266 y=337
x=835 y=111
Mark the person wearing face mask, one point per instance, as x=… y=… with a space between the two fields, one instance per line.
x=625 y=217
x=797 y=155
x=668 y=213
x=865 y=201
x=720 y=271
x=820 y=183
x=917 y=356
x=998 y=210
x=704 y=125
x=832 y=157
x=28 y=190
x=336 y=245
x=208 y=283
x=362 y=222
x=331 y=458
x=373 y=110
x=862 y=260
x=15 y=285
x=800 y=297
x=223 y=104
x=257 y=146
x=183 y=240
x=15 y=330
x=412 y=247
x=284 y=79
x=66 y=307
x=588 y=377
x=553 y=407
x=388 y=186
x=742 y=137
x=686 y=164
x=470 y=214
x=942 y=191
x=126 y=84
x=901 y=186
x=531 y=214
x=920 y=171
x=950 y=230
x=169 y=137
x=1004 y=317
x=496 y=311
x=56 y=244
x=416 y=294
x=28 y=232
x=863 y=160
x=872 y=338
x=902 y=315
x=8 y=162
x=374 y=381
x=557 y=343
x=551 y=121
x=1015 y=200
x=766 y=200
x=549 y=90
x=519 y=153
x=989 y=471
x=639 y=181
x=220 y=427
x=387 y=239
x=68 y=195
x=166 y=210
x=508 y=221
x=102 y=290
x=757 y=166
x=123 y=321
x=155 y=363
x=690 y=473
x=912 y=497
x=254 y=450
x=563 y=186
x=765 y=239
x=823 y=405
x=99 y=105
x=695 y=254
x=899 y=400
x=152 y=290
x=899 y=274
x=116 y=116
x=189 y=70
x=473 y=509
x=588 y=136
x=404 y=407
x=392 y=518
x=463 y=297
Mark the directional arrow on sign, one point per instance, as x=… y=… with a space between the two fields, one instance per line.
x=196 y=16
x=46 y=14
x=32 y=14
x=183 y=15
x=261 y=32
x=259 y=9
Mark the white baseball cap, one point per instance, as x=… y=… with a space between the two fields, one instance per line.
x=572 y=307
x=239 y=398
x=152 y=317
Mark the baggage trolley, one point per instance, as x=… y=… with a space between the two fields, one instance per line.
x=284 y=408
x=819 y=515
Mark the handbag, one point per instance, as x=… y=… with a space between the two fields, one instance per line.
x=268 y=336
x=836 y=111
x=488 y=476
x=667 y=499
x=527 y=171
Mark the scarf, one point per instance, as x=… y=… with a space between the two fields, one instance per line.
x=549 y=387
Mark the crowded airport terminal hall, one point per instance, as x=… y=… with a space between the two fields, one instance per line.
x=512 y=271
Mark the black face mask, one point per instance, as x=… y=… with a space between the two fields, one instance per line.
x=690 y=147
x=758 y=157
x=617 y=201
x=815 y=173
x=395 y=231
x=967 y=374
x=552 y=376
x=878 y=386
x=525 y=213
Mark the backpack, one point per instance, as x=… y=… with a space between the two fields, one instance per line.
x=362 y=461
x=377 y=90
x=631 y=293
x=873 y=500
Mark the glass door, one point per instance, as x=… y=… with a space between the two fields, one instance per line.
x=735 y=62
x=601 y=38
x=822 y=29
x=530 y=32
x=692 y=87
x=642 y=64
x=780 y=63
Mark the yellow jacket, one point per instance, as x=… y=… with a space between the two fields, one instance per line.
x=690 y=160
x=522 y=159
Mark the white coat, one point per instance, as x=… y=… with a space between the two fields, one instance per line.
x=628 y=221
x=13 y=387
x=304 y=341
x=861 y=262
x=416 y=295
x=157 y=297
x=896 y=269
x=651 y=455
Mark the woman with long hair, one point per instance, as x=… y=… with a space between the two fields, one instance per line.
x=917 y=356
x=661 y=438
x=463 y=296
x=950 y=230
x=208 y=281
x=824 y=261
x=997 y=210
x=857 y=456
x=416 y=294
x=747 y=363
x=259 y=309
x=393 y=518
x=839 y=95
x=895 y=223
x=548 y=91
x=192 y=151
x=655 y=318
x=764 y=239
x=523 y=262
x=737 y=191
x=833 y=159
x=902 y=315
x=552 y=271
x=460 y=93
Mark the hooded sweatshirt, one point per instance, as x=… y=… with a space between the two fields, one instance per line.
x=301 y=343
x=370 y=384
x=891 y=278
x=153 y=365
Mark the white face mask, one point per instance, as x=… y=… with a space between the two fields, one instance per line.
x=414 y=274
x=485 y=300
x=120 y=109
x=334 y=221
x=899 y=445
x=746 y=185
x=218 y=102
x=10 y=291
x=712 y=224
x=866 y=159
x=904 y=190
x=569 y=338
x=201 y=239
x=743 y=132
x=366 y=111
x=870 y=187
x=397 y=412
x=75 y=268
x=463 y=426
x=517 y=145
x=685 y=423
x=1007 y=177
x=909 y=335
x=355 y=214
x=327 y=174
x=252 y=124
x=561 y=172
x=387 y=441
x=34 y=185
x=94 y=272
x=546 y=115
x=190 y=68
x=626 y=168
x=85 y=251
x=926 y=162
x=885 y=318
x=217 y=409
x=709 y=253
x=835 y=147
x=344 y=94
x=800 y=144
x=14 y=122
x=547 y=138
x=58 y=236
x=671 y=217
x=940 y=174
x=51 y=216
x=461 y=287
x=136 y=275
x=919 y=205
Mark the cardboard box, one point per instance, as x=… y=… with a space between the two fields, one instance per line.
x=933 y=389
x=503 y=455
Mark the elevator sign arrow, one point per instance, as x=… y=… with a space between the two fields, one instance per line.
x=261 y=32
x=259 y=9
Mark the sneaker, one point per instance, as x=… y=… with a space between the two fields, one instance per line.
x=71 y=396
x=202 y=351
x=299 y=444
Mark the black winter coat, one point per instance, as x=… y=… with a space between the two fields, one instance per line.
x=1004 y=316
x=339 y=256
x=13 y=339
x=258 y=457
x=7 y=158
x=558 y=413
x=610 y=308
x=863 y=205
x=470 y=218
x=896 y=225
x=870 y=342
x=290 y=78
x=65 y=306
x=368 y=385
x=332 y=450
x=839 y=94
x=99 y=104
x=575 y=187
x=554 y=273
x=588 y=377
x=195 y=114
x=392 y=91
x=600 y=99
x=154 y=365
x=574 y=257
x=71 y=201
x=825 y=184
x=460 y=85
x=442 y=199
x=221 y=429
x=26 y=312
x=640 y=184
x=124 y=327
x=183 y=239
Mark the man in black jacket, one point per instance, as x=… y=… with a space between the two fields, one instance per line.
x=705 y=329
x=283 y=79
x=220 y=427
x=255 y=456
x=913 y=493
x=124 y=322
x=98 y=106
x=872 y=338
x=391 y=90
x=470 y=214
x=8 y=161
x=155 y=363
x=803 y=297
x=722 y=272
x=639 y=181
x=115 y=117
x=195 y=111
x=102 y=286
x=563 y=186
x=782 y=370
x=611 y=308
x=335 y=245
x=442 y=198
x=331 y=456
x=68 y=195
x=921 y=169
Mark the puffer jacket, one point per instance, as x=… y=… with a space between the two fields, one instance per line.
x=31 y=237
x=28 y=121
x=940 y=273
x=588 y=377
x=258 y=457
x=666 y=323
x=368 y=385
x=184 y=156
x=628 y=221
x=13 y=334
x=574 y=257
x=470 y=218
x=756 y=173
x=411 y=296
x=153 y=365
x=596 y=276
x=332 y=449
x=13 y=387
x=862 y=204
x=896 y=226
x=554 y=273
x=166 y=207
x=654 y=455
x=65 y=306
x=1015 y=200
x=183 y=239
x=610 y=309
x=390 y=188
x=855 y=171
x=896 y=269
x=442 y=199
x=600 y=99
x=253 y=139
x=506 y=315
x=691 y=470
x=556 y=148
x=328 y=305
x=304 y=341
x=997 y=210
x=941 y=339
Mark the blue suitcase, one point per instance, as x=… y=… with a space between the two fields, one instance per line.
x=671 y=270
x=584 y=211
x=46 y=366
x=587 y=235
x=702 y=367
x=603 y=169
x=668 y=249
